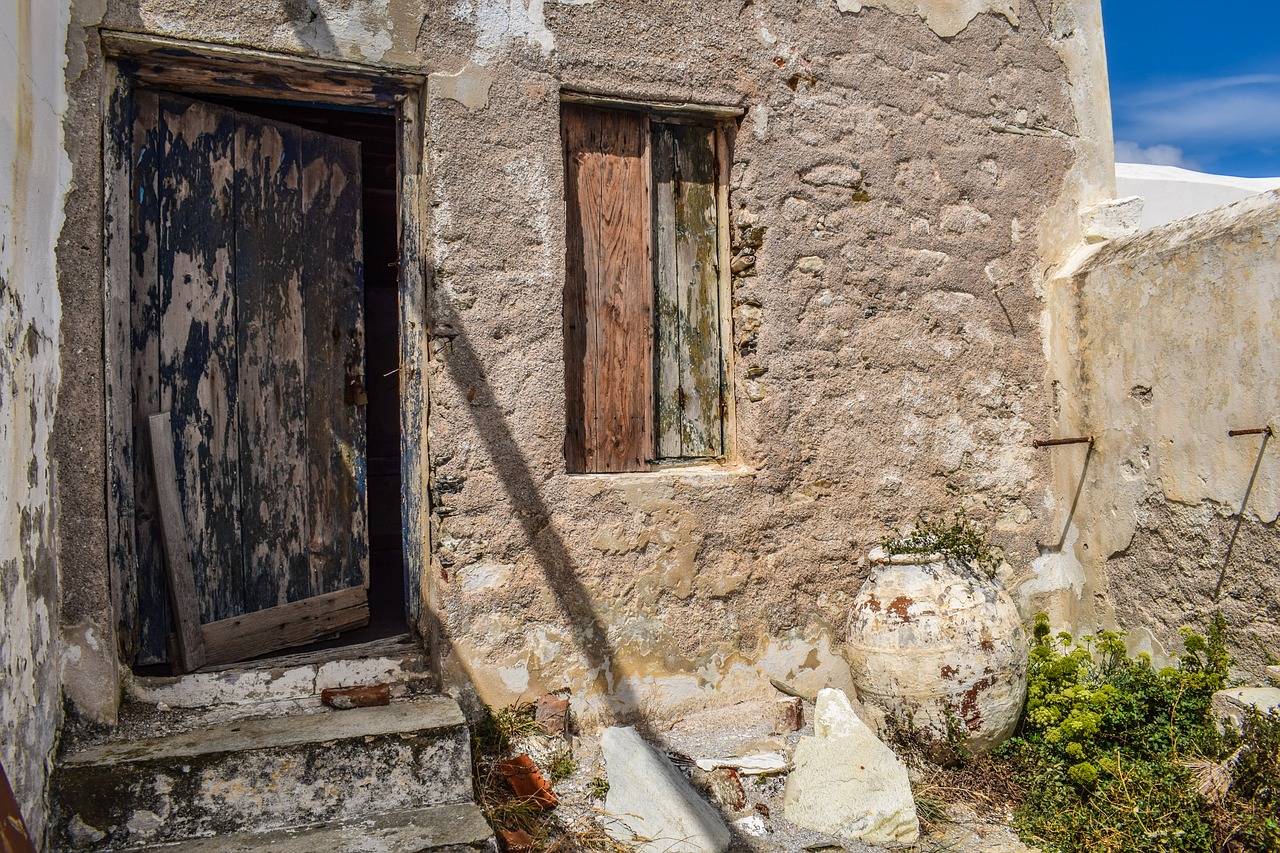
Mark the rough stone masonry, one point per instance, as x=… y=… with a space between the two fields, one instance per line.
x=903 y=177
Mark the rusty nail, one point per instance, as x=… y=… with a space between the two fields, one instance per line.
x=1057 y=442
x=1266 y=430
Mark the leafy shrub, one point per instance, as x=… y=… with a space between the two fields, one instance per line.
x=962 y=539
x=1116 y=756
x=1100 y=741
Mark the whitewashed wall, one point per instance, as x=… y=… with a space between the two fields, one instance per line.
x=34 y=175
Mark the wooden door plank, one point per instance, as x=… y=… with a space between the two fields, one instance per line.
x=271 y=357
x=582 y=194
x=198 y=370
x=177 y=550
x=698 y=286
x=333 y=326
x=14 y=837
x=151 y=592
x=624 y=339
x=667 y=325
x=119 y=155
x=284 y=626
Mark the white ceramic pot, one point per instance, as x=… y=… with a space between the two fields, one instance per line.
x=934 y=639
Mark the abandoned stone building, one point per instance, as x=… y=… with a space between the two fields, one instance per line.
x=583 y=346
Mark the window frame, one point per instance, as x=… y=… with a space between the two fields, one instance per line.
x=722 y=122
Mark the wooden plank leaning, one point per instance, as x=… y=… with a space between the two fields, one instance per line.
x=182 y=582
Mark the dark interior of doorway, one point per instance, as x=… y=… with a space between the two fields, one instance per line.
x=376 y=133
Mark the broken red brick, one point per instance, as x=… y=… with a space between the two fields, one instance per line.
x=346 y=698
x=790 y=714
x=526 y=780
x=726 y=787
x=515 y=841
x=552 y=713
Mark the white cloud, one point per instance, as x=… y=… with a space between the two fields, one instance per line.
x=1153 y=155
x=1193 y=88
x=1226 y=110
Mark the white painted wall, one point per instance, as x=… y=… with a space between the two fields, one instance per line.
x=1172 y=193
x=34 y=175
x=1175 y=334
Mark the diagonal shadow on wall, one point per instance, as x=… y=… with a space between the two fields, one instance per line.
x=558 y=565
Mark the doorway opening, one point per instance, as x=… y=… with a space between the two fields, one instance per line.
x=376 y=132
x=267 y=273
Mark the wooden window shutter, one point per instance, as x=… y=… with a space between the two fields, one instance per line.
x=686 y=248
x=608 y=298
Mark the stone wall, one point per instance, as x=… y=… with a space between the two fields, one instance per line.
x=1172 y=333
x=34 y=174
x=889 y=353
x=910 y=170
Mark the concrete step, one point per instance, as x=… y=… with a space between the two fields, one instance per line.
x=434 y=829
x=259 y=775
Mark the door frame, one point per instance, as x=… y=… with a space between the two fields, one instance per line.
x=195 y=68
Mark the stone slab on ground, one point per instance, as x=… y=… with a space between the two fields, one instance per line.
x=846 y=782
x=435 y=829
x=1233 y=704
x=970 y=832
x=651 y=804
x=258 y=775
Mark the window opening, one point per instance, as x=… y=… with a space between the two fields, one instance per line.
x=645 y=373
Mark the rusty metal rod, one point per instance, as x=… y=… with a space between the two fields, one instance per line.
x=1058 y=442
x=1266 y=430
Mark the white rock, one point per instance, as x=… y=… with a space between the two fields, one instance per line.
x=811 y=264
x=1112 y=219
x=1234 y=704
x=753 y=826
x=650 y=803
x=769 y=762
x=846 y=782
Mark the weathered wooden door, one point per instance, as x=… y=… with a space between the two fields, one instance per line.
x=248 y=330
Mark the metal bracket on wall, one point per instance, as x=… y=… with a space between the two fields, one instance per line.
x=1059 y=442
x=1266 y=430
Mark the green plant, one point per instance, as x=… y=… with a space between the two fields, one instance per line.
x=962 y=539
x=1105 y=739
x=1249 y=810
x=561 y=765
x=498 y=727
x=599 y=787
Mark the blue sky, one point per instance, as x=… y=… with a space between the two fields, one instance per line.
x=1196 y=84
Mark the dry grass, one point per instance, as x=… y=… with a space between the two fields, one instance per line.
x=571 y=827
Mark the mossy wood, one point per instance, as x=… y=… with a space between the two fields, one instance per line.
x=689 y=422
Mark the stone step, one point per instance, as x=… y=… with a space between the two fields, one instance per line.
x=258 y=775
x=434 y=829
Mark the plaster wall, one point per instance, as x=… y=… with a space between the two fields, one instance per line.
x=1174 y=338
x=905 y=177
x=34 y=174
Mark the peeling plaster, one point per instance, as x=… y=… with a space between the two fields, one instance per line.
x=1171 y=335
x=469 y=86
x=34 y=179
x=947 y=18
x=498 y=22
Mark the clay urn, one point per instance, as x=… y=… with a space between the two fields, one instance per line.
x=933 y=640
